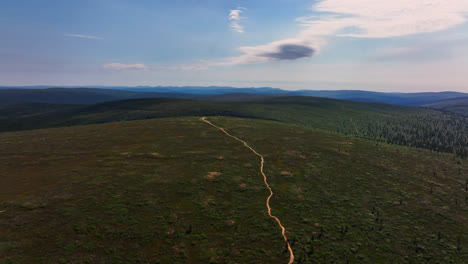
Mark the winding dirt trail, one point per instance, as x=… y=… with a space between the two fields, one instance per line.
x=283 y=230
x=355 y=126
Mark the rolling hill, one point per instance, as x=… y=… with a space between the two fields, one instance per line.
x=176 y=190
x=409 y=126
x=457 y=105
x=408 y=99
x=77 y=95
x=74 y=95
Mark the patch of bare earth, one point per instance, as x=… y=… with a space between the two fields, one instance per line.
x=170 y=231
x=292 y=153
x=208 y=201
x=298 y=191
x=211 y=175
x=345 y=143
x=63 y=196
x=341 y=151
x=286 y=173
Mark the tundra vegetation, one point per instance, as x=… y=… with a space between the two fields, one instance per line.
x=176 y=190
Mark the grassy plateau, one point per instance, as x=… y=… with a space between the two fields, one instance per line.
x=176 y=190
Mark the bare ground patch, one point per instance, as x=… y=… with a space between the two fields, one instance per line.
x=212 y=175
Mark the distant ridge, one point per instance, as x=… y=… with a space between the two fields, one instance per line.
x=76 y=95
x=381 y=122
x=456 y=105
x=98 y=94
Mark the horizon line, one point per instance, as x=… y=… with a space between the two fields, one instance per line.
x=210 y=86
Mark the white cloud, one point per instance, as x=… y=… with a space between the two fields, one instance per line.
x=122 y=66
x=378 y=19
x=235 y=18
x=343 y=18
x=82 y=36
x=199 y=66
x=358 y=19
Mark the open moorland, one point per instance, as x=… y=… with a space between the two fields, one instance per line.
x=176 y=190
x=408 y=126
x=234 y=132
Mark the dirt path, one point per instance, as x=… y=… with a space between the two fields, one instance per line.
x=283 y=230
x=355 y=126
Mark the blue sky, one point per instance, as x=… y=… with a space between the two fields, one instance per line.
x=399 y=45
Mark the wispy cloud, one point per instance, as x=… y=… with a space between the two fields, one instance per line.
x=122 y=66
x=199 y=66
x=374 y=19
x=82 y=36
x=356 y=19
x=235 y=18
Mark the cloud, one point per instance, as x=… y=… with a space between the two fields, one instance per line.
x=356 y=19
x=122 y=66
x=343 y=19
x=235 y=17
x=290 y=52
x=199 y=66
x=82 y=36
x=288 y=49
x=377 y=19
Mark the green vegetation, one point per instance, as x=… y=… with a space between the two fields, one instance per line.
x=146 y=192
x=75 y=95
x=408 y=126
x=457 y=105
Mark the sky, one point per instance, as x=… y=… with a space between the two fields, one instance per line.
x=377 y=45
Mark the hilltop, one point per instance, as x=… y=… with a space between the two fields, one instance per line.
x=176 y=190
x=409 y=126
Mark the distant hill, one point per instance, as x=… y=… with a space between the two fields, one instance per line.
x=192 y=90
x=410 y=99
x=76 y=95
x=237 y=97
x=210 y=90
x=456 y=105
x=402 y=125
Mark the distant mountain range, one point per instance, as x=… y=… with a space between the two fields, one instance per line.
x=98 y=94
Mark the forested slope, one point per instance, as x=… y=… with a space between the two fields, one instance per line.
x=410 y=126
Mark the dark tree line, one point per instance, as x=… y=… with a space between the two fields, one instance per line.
x=435 y=131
